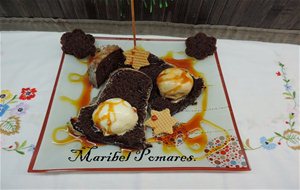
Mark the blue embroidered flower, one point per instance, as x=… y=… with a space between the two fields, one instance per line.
x=31 y=148
x=20 y=109
x=3 y=108
x=288 y=87
x=266 y=144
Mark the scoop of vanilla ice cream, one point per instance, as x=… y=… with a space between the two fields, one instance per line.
x=115 y=116
x=174 y=83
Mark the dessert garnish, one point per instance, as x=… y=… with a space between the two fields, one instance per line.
x=78 y=43
x=200 y=46
x=137 y=58
x=115 y=116
x=161 y=122
x=174 y=83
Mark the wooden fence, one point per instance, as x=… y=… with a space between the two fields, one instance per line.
x=269 y=14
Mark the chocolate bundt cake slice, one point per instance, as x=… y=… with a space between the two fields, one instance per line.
x=130 y=85
x=106 y=60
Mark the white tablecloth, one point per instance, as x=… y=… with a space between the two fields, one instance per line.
x=263 y=103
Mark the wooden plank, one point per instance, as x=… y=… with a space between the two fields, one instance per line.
x=217 y=11
x=239 y=12
x=91 y=9
x=176 y=11
x=80 y=9
x=192 y=10
x=252 y=17
x=100 y=9
x=56 y=9
x=269 y=14
x=44 y=8
x=204 y=12
x=229 y=11
x=283 y=19
x=9 y=7
x=2 y=12
x=68 y=9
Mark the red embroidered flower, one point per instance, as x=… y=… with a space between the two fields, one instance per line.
x=27 y=93
x=278 y=73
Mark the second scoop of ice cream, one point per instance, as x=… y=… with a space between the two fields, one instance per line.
x=174 y=83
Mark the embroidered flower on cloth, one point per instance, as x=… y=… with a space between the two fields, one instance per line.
x=3 y=108
x=288 y=87
x=31 y=148
x=278 y=73
x=20 y=109
x=5 y=95
x=266 y=144
x=27 y=93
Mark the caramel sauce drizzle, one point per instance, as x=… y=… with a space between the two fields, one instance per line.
x=187 y=63
x=182 y=79
x=107 y=116
x=81 y=101
x=85 y=96
x=182 y=132
x=71 y=137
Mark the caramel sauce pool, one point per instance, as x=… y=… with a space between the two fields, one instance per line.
x=85 y=96
x=83 y=100
x=187 y=63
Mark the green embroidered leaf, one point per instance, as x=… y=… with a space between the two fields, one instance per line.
x=293 y=138
x=286 y=80
x=271 y=139
x=14 y=97
x=294 y=94
x=7 y=126
x=7 y=149
x=23 y=144
x=293 y=124
x=10 y=126
x=20 y=152
x=291 y=116
x=278 y=134
x=281 y=65
x=287 y=94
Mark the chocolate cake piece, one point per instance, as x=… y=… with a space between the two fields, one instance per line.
x=130 y=85
x=156 y=101
x=106 y=61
